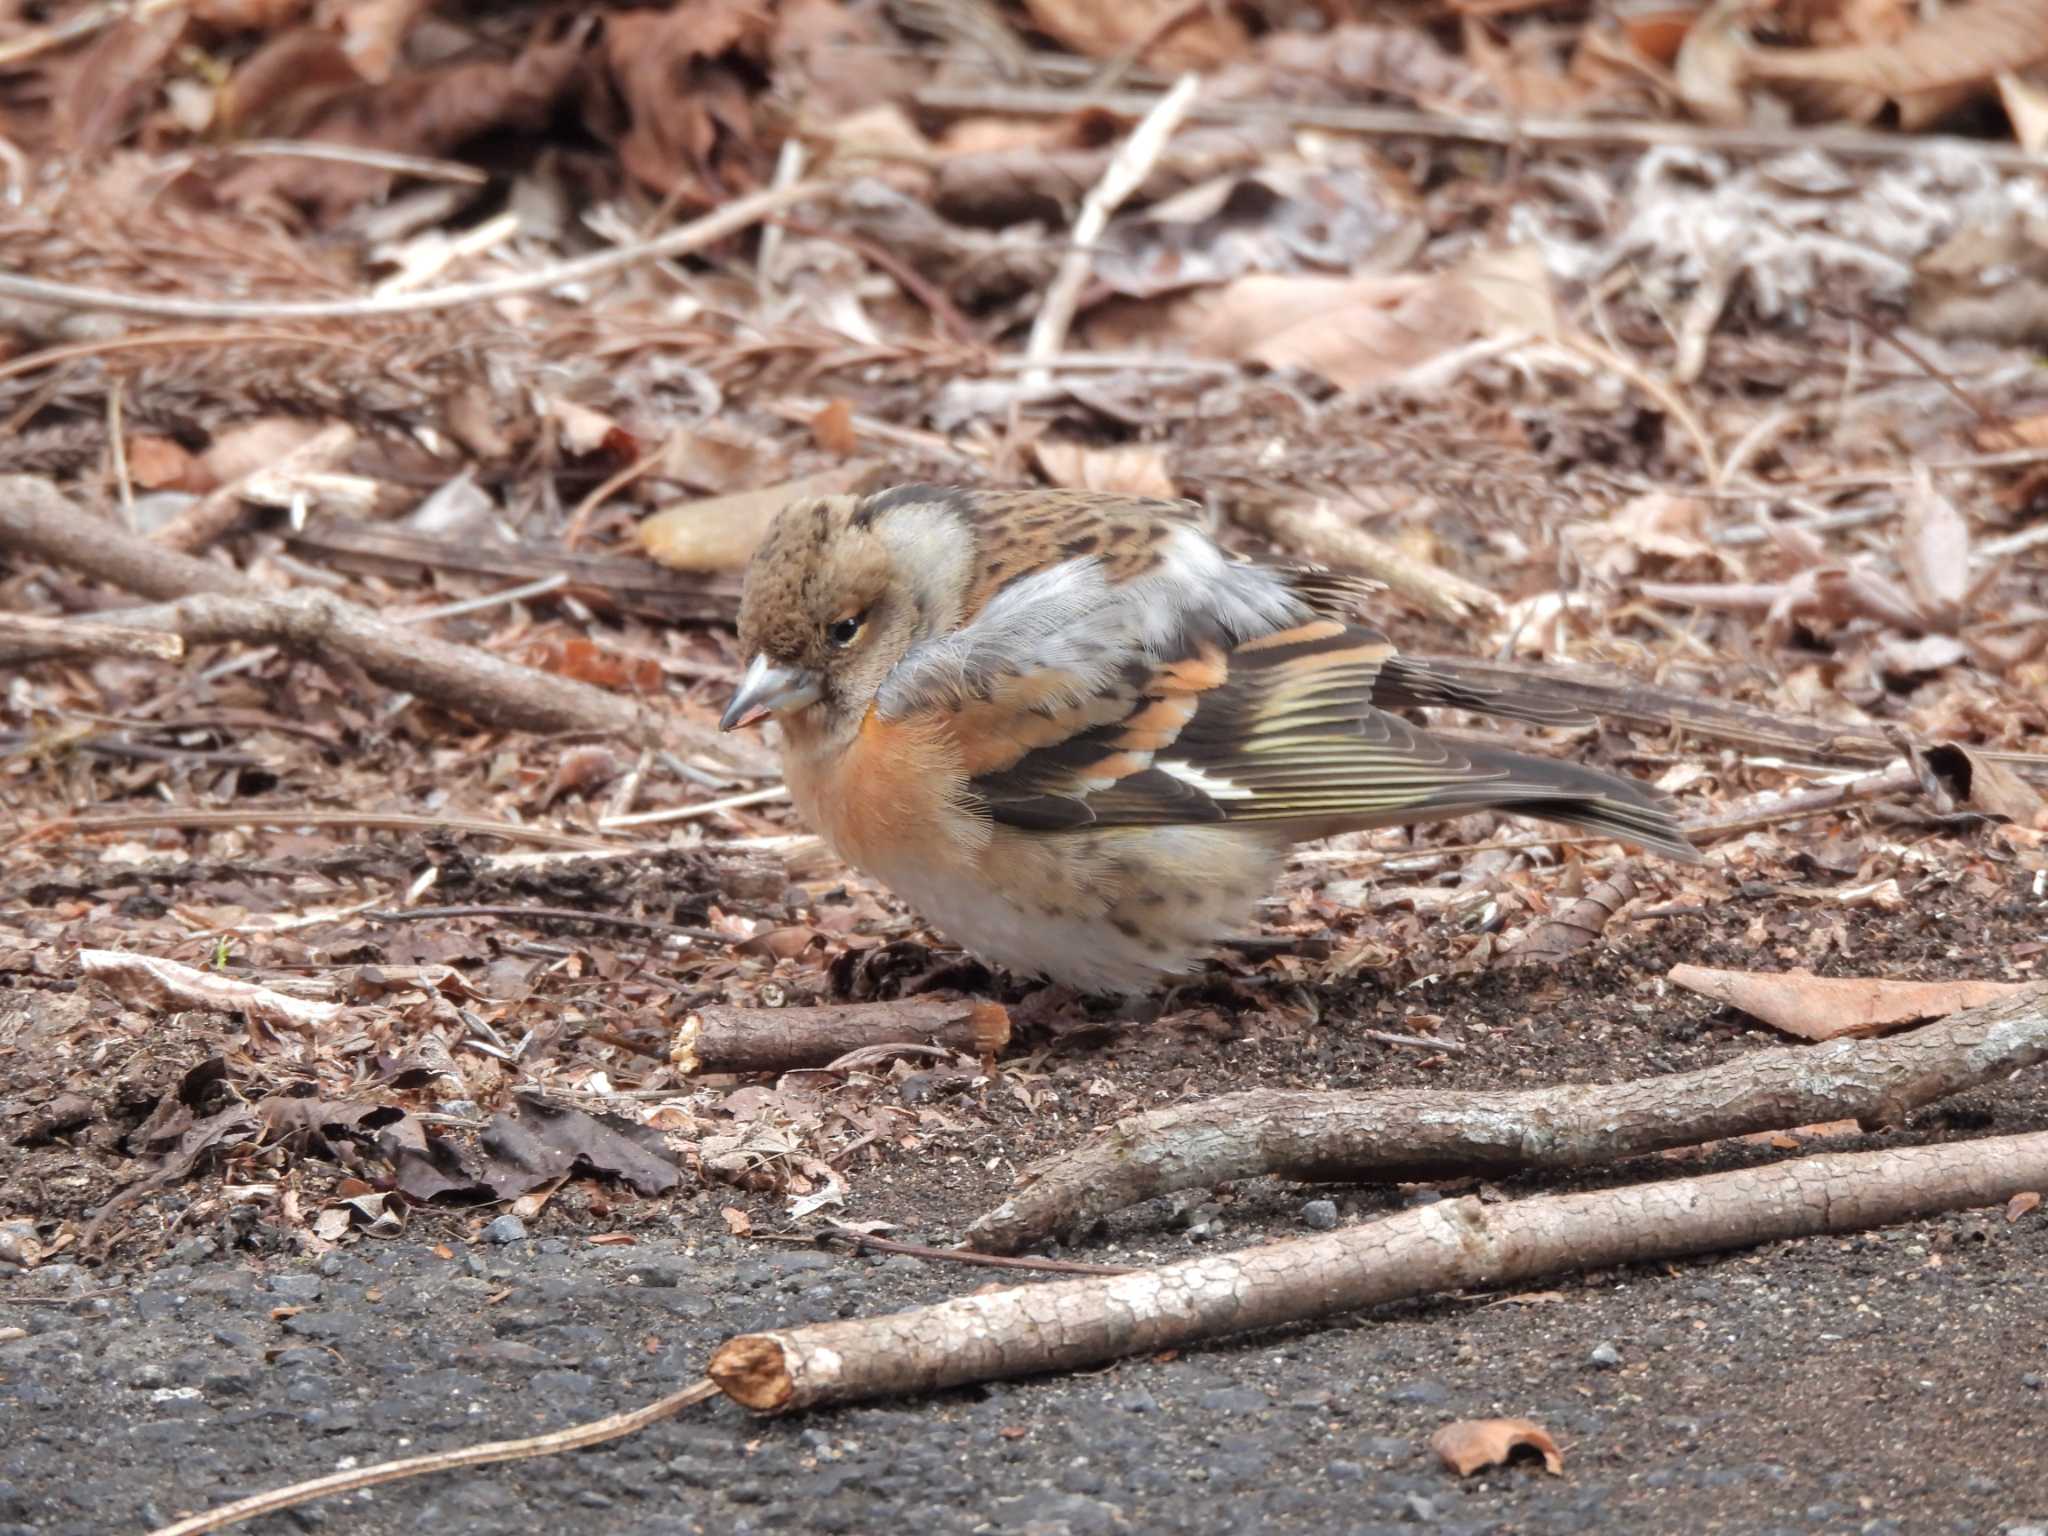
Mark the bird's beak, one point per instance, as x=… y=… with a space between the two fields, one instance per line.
x=768 y=690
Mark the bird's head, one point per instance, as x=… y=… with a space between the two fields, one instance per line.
x=839 y=590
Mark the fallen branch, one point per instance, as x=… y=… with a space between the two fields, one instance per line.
x=214 y=603
x=1074 y=1324
x=31 y=637
x=1780 y=806
x=1418 y=1134
x=724 y=1039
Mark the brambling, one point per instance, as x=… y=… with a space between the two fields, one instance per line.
x=1080 y=738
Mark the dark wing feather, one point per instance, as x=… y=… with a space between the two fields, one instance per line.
x=1287 y=728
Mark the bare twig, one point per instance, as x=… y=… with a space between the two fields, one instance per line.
x=1600 y=133
x=1411 y=1134
x=574 y=1438
x=36 y=520
x=1072 y=1324
x=736 y=216
x=1318 y=534
x=1125 y=173
x=304 y=816
x=727 y=1039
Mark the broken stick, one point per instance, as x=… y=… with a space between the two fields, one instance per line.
x=213 y=602
x=725 y=1039
x=1072 y=1324
x=1420 y=1134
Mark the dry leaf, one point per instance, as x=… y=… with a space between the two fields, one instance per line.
x=1826 y=1007
x=1935 y=553
x=737 y=1222
x=718 y=533
x=1132 y=469
x=151 y=981
x=2026 y=108
x=249 y=447
x=1963 y=45
x=161 y=464
x=1982 y=783
x=1168 y=34
x=1353 y=331
x=1468 y=1445
x=832 y=429
x=2020 y=1204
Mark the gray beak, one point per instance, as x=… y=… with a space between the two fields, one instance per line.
x=768 y=690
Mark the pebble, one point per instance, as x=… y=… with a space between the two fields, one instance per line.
x=505 y=1229
x=1605 y=1357
x=1421 y=1394
x=1319 y=1215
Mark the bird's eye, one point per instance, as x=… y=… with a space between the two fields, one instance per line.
x=841 y=633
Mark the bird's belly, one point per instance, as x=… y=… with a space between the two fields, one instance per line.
x=1101 y=910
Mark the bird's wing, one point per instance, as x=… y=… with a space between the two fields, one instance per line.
x=1075 y=596
x=1283 y=728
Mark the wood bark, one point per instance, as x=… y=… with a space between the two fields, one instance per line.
x=210 y=602
x=725 y=1039
x=1419 y=1133
x=1073 y=1324
x=26 y=637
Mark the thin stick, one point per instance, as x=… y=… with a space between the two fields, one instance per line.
x=379 y=821
x=1124 y=174
x=575 y=1438
x=594 y=916
x=422 y=166
x=741 y=214
x=1047 y=101
x=768 y=796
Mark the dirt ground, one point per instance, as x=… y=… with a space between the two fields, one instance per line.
x=1886 y=1382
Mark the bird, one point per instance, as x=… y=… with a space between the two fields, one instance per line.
x=1080 y=737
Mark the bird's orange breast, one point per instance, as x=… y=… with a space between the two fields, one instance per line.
x=896 y=794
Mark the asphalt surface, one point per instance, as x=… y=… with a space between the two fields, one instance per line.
x=1892 y=1383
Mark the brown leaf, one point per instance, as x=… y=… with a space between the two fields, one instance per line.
x=303 y=84
x=1982 y=783
x=680 y=107
x=737 y=1221
x=2020 y=1204
x=535 y=1142
x=1965 y=44
x=162 y=464
x=718 y=533
x=2025 y=100
x=1825 y=1007
x=1353 y=331
x=1130 y=469
x=1168 y=34
x=832 y=429
x=1467 y=1445
x=243 y=449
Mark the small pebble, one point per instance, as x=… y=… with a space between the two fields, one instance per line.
x=505 y=1229
x=1605 y=1357
x=1319 y=1215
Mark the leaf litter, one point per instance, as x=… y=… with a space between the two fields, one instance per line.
x=1646 y=404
